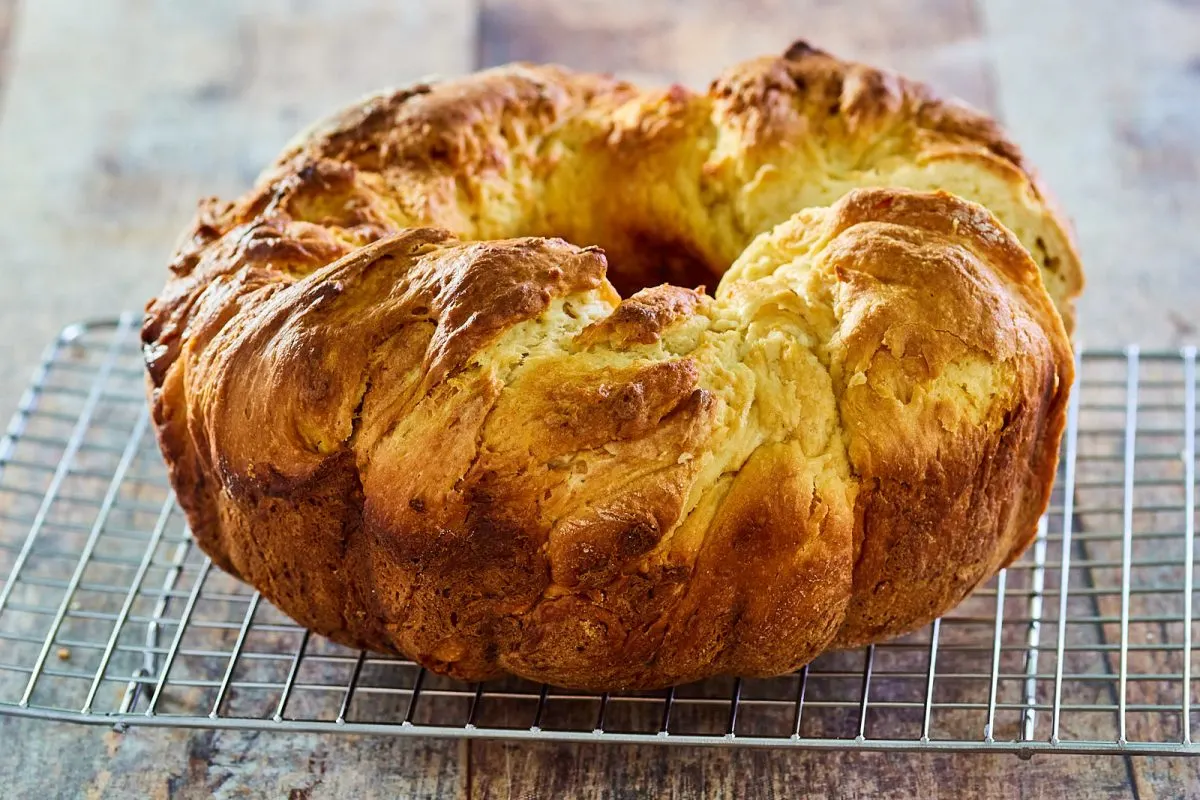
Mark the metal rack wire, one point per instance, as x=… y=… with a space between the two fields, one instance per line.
x=110 y=615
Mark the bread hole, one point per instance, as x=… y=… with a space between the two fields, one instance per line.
x=638 y=259
x=652 y=260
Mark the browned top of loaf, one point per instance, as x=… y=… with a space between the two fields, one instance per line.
x=465 y=446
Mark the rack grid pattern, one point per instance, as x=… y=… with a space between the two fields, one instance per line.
x=110 y=615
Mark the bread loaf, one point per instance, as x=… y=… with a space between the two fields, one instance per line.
x=541 y=373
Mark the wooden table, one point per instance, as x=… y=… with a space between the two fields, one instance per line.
x=115 y=115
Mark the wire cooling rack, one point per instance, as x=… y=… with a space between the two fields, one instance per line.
x=109 y=613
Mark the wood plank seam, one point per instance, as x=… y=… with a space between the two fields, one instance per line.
x=8 y=18
x=1106 y=659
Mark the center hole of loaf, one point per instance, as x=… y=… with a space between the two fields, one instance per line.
x=638 y=260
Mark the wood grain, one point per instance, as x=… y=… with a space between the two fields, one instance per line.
x=68 y=761
x=517 y=771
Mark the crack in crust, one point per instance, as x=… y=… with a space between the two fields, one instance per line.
x=418 y=434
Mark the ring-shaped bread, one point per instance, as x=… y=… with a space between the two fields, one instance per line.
x=418 y=426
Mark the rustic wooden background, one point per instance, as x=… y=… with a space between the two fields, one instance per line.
x=115 y=115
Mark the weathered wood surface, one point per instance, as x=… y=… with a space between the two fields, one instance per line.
x=115 y=115
x=7 y=12
x=119 y=114
x=1105 y=97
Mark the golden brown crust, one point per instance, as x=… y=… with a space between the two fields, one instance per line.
x=476 y=454
x=642 y=318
